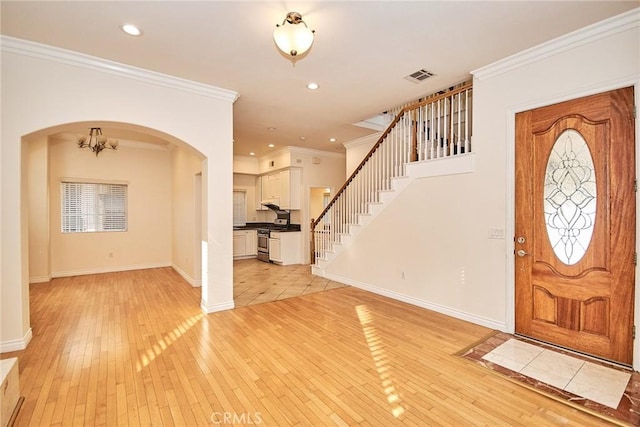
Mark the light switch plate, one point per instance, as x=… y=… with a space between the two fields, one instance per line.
x=496 y=233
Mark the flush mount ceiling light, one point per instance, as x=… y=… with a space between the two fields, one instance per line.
x=292 y=38
x=131 y=29
x=96 y=142
x=312 y=86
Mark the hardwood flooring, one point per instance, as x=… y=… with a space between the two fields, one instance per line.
x=134 y=348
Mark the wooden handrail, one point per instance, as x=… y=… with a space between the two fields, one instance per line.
x=401 y=113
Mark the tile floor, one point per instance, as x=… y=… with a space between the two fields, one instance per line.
x=255 y=282
x=583 y=378
x=518 y=362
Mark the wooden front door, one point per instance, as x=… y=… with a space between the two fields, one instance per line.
x=575 y=224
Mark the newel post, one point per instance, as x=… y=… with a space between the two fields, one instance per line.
x=312 y=241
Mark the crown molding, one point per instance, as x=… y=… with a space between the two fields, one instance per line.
x=600 y=30
x=369 y=139
x=77 y=59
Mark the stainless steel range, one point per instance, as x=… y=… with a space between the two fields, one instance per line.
x=263 y=244
x=280 y=223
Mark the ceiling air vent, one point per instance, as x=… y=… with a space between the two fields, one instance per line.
x=419 y=76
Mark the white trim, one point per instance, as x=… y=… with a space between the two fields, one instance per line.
x=369 y=139
x=454 y=165
x=583 y=36
x=111 y=269
x=214 y=308
x=16 y=345
x=458 y=314
x=190 y=280
x=511 y=112
x=40 y=279
x=64 y=56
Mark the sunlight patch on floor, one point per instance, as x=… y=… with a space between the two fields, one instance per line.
x=380 y=359
x=165 y=342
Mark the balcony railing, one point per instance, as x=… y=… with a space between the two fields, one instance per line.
x=437 y=127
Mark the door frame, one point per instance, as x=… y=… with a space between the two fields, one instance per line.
x=510 y=191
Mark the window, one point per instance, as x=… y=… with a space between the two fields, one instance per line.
x=239 y=208
x=92 y=207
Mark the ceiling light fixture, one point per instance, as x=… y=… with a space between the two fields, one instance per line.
x=97 y=142
x=313 y=86
x=271 y=145
x=252 y=153
x=131 y=29
x=332 y=140
x=293 y=39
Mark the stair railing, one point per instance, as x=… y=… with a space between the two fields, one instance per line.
x=437 y=127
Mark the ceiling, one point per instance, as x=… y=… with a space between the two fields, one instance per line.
x=361 y=53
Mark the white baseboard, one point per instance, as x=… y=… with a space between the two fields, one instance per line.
x=113 y=269
x=213 y=308
x=16 y=345
x=190 y=280
x=40 y=279
x=458 y=314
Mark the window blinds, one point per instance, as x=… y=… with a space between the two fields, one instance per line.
x=93 y=207
x=239 y=208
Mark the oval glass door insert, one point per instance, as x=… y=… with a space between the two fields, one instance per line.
x=570 y=197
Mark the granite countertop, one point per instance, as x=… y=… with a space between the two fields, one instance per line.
x=269 y=225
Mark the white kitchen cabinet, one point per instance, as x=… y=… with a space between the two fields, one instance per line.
x=290 y=188
x=281 y=188
x=245 y=243
x=284 y=247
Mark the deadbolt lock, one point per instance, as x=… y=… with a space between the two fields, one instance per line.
x=521 y=240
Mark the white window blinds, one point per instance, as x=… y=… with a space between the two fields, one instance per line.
x=93 y=207
x=239 y=208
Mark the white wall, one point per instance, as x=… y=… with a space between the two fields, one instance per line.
x=357 y=149
x=147 y=241
x=185 y=169
x=43 y=89
x=436 y=231
x=38 y=189
x=329 y=173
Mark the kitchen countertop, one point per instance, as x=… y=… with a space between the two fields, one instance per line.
x=269 y=225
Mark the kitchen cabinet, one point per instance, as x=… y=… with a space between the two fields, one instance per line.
x=245 y=243
x=290 y=188
x=284 y=247
x=281 y=188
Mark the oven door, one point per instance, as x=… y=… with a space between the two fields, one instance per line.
x=263 y=245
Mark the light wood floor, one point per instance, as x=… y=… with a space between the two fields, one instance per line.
x=133 y=348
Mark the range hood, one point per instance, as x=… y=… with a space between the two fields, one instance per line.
x=274 y=207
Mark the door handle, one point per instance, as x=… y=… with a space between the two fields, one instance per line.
x=522 y=253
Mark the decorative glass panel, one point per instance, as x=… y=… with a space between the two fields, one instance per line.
x=570 y=197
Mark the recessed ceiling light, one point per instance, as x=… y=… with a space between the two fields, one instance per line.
x=312 y=86
x=332 y=140
x=271 y=145
x=271 y=128
x=131 y=29
x=252 y=153
x=302 y=138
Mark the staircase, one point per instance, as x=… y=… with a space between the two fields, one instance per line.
x=435 y=129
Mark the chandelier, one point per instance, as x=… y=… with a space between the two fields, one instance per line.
x=293 y=39
x=96 y=142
